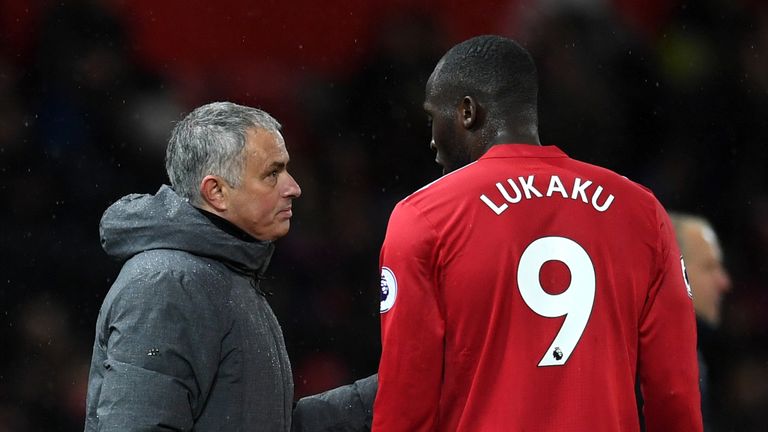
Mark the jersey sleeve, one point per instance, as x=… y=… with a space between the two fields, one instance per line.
x=412 y=326
x=667 y=362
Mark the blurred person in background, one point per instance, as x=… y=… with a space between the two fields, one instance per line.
x=475 y=265
x=709 y=281
x=185 y=338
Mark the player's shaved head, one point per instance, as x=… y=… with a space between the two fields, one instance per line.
x=482 y=92
x=497 y=71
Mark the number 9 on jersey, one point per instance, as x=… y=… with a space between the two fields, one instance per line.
x=575 y=302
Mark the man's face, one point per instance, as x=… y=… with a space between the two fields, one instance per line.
x=709 y=279
x=452 y=150
x=261 y=205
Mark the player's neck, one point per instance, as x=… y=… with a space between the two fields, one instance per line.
x=519 y=135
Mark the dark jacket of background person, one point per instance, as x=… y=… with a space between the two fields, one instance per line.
x=211 y=345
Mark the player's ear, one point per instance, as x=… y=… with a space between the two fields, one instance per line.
x=468 y=112
x=213 y=190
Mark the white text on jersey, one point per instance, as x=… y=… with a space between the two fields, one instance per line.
x=527 y=190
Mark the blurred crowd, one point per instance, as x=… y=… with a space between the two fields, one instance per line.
x=678 y=104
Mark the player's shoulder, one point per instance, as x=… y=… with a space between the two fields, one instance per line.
x=609 y=177
x=441 y=188
x=433 y=201
x=632 y=197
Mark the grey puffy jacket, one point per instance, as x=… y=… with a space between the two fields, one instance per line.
x=185 y=339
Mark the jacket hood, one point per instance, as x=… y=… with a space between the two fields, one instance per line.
x=141 y=222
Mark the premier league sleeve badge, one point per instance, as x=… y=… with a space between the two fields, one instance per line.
x=388 y=289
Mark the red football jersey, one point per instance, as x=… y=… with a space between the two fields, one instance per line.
x=526 y=292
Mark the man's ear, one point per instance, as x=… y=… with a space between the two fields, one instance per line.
x=214 y=193
x=468 y=112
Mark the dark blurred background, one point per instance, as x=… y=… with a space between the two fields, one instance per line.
x=673 y=94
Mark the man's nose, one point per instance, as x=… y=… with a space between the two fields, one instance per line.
x=292 y=190
x=724 y=280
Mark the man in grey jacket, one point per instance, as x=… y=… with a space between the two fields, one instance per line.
x=185 y=339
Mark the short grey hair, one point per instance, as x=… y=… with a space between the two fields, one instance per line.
x=210 y=141
x=682 y=220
